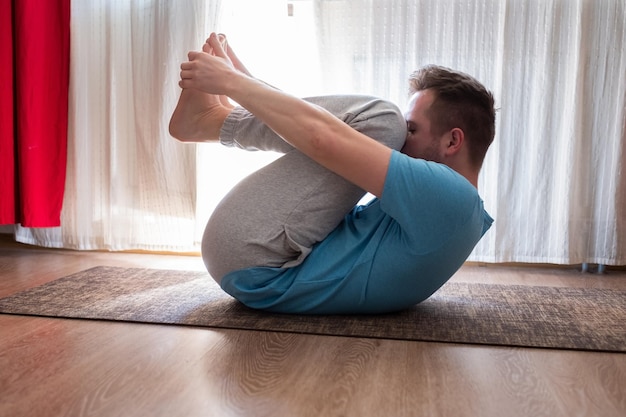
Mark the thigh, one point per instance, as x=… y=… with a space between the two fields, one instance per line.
x=274 y=216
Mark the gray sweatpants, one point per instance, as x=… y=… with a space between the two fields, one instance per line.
x=275 y=215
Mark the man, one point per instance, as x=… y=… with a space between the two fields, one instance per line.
x=288 y=238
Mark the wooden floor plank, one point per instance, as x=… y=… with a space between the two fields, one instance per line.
x=58 y=367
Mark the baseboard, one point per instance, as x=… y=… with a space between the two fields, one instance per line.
x=8 y=229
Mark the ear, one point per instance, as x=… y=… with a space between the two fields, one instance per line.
x=455 y=141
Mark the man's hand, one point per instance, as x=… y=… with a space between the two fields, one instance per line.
x=211 y=70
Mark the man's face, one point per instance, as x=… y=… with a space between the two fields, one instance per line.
x=420 y=141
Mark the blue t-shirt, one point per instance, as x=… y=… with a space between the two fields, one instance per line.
x=385 y=256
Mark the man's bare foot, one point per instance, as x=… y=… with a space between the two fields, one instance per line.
x=198 y=116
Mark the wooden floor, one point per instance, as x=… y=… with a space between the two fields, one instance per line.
x=57 y=367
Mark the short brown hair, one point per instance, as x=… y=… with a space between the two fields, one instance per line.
x=460 y=101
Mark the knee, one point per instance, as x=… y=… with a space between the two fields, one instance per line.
x=396 y=124
x=383 y=121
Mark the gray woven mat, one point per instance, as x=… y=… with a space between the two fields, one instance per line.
x=508 y=315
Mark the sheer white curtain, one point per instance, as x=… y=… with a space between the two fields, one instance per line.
x=129 y=184
x=555 y=177
x=128 y=187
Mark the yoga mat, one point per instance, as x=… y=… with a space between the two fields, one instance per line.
x=507 y=315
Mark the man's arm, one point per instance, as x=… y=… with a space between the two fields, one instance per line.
x=317 y=133
x=309 y=128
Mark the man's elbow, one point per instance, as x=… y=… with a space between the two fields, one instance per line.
x=322 y=141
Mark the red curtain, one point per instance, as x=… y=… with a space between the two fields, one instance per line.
x=34 y=81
